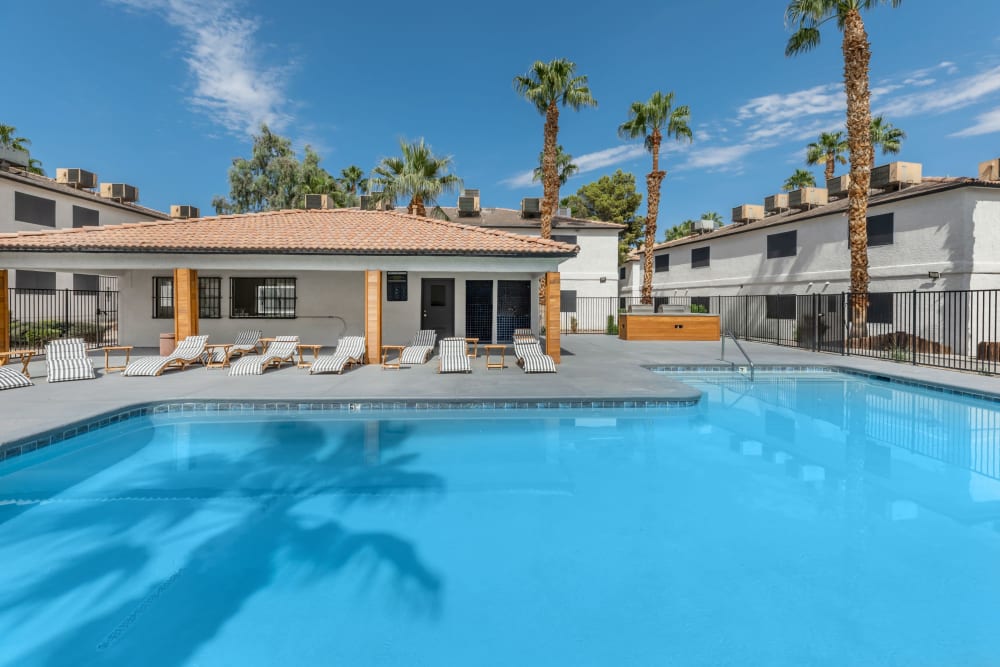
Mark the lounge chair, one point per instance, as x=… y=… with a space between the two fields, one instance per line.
x=350 y=352
x=282 y=349
x=421 y=349
x=246 y=342
x=453 y=357
x=188 y=351
x=523 y=334
x=531 y=358
x=11 y=378
x=66 y=359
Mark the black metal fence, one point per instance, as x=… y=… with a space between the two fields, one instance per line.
x=948 y=329
x=40 y=315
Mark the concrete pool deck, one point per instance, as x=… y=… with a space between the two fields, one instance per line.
x=593 y=367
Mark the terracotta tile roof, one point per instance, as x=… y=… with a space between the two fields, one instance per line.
x=331 y=232
x=508 y=217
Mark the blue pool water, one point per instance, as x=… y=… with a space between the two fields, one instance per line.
x=801 y=520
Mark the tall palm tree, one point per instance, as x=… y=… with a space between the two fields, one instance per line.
x=564 y=166
x=800 y=179
x=418 y=174
x=829 y=149
x=653 y=120
x=9 y=138
x=549 y=86
x=885 y=136
x=806 y=16
x=353 y=179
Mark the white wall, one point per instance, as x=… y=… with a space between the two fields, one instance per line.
x=598 y=257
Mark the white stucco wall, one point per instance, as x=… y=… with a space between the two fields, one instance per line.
x=598 y=258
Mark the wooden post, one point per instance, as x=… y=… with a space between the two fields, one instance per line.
x=373 y=315
x=4 y=312
x=552 y=315
x=185 y=303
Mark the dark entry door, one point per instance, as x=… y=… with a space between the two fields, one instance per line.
x=437 y=305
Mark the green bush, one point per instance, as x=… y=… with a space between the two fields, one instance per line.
x=611 y=329
x=698 y=308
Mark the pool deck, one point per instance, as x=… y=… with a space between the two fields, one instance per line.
x=593 y=367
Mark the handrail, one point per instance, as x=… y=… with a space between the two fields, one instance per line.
x=740 y=348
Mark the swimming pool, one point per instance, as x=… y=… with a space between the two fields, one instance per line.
x=812 y=518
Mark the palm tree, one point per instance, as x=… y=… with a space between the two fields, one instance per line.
x=686 y=228
x=807 y=16
x=829 y=149
x=35 y=166
x=418 y=175
x=800 y=179
x=549 y=86
x=652 y=120
x=714 y=217
x=353 y=179
x=886 y=136
x=564 y=166
x=9 y=138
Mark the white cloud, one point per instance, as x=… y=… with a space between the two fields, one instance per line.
x=720 y=158
x=522 y=180
x=587 y=162
x=231 y=86
x=986 y=123
x=953 y=95
x=790 y=106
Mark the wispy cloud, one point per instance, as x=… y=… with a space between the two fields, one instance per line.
x=587 y=162
x=231 y=86
x=719 y=158
x=956 y=94
x=986 y=123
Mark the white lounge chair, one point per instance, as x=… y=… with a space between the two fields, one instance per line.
x=66 y=359
x=531 y=358
x=421 y=349
x=246 y=342
x=453 y=357
x=188 y=351
x=11 y=378
x=282 y=349
x=350 y=352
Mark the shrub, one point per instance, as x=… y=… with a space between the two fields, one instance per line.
x=698 y=308
x=612 y=328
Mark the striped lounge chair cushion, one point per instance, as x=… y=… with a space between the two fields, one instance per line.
x=10 y=378
x=425 y=337
x=282 y=349
x=350 y=350
x=416 y=354
x=189 y=350
x=67 y=359
x=246 y=342
x=532 y=359
x=453 y=357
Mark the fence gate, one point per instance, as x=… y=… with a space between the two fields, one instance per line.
x=40 y=315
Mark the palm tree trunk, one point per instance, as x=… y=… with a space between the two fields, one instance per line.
x=550 y=173
x=857 y=55
x=831 y=167
x=653 y=181
x=416 y=206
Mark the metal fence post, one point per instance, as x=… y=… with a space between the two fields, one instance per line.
x=845 y=330
x=913 y=331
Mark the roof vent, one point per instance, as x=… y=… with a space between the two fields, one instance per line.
x=896 y=175
x=806 y=198
x=776 y=203
x=76 y=178
x=120 y=192
x=183 y=212
x=14 y=157
x=838 y=186
x=748 y=213
x=704 y=226
x=989 y=170
x=531 y=207
x=371 y=202
x=468 y=204
x=318 y=201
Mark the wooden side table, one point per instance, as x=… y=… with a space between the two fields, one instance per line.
x=211 y=362
x=315 y=347
x=24 y=355
x=127 y=349
x=493 y=351
x=393 y=363
x=472 y=347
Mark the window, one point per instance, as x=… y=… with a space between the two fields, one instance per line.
x=395 y=286
x=565 y=238
x=661 y=263
x=880 y=230
x=779 y=307
x=700 y=258
x=262 y=297
x=33 y=280
x=85 y=282
x=567 y=301
x=880 y=308
x=35 y=210
x=621 y=273
x=209 y=298
x=782 y=245
x=85 y=217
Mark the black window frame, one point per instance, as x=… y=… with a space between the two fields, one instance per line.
x=621 y=273
x=34 y=210
x=698 y=261
x=163 y=297
x=85 y=217
x=209 y=298
x=783 y=244
x=779 y=307
x=880 y=230
x=286 y=308
x=396 y=286
x=661 y=266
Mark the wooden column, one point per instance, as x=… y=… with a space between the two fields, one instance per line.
x=185 y=303
x=373 y=315
x=4 y=312
x=552 y=315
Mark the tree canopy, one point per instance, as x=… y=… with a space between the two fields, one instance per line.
x=417 y=175
x=800 y=179
x=611 y=199
x=9 y=139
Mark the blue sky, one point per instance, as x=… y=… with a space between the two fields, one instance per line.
x=164 y=93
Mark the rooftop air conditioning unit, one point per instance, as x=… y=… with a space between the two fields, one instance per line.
x=776 y=203
x=183 y=212
x=837 y=187
x=120 y=192
x=748 y=213
x=564 y=212
x=703 y=226
x=76 y=178
x=806 y=198
x=470 y=193
x=989 y=170
x=468 y=204
x=531 y=207
x=318 y=201
x=896 y=175
x=14 y=156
